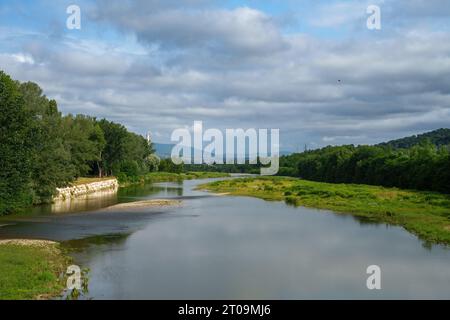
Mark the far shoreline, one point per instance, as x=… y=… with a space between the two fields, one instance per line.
x=425 y=214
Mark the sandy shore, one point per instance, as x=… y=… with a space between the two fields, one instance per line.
x=222 y=194
x=28 y=242
x=145 y=204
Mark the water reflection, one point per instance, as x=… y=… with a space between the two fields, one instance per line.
x=80 y=245
x=236 y=248
x=105 y=198
x=90 y=202
x=163 y=190
x=246 y=248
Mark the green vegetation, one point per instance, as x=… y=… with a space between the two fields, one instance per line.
x=40 y=149
x=440 y=137
x=422 y=167
x=426 y=214
x=15 y=145
x=31 y=270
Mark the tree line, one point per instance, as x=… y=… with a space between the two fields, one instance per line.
x=40 y=149
x=422 y=166
x=419 y=162
x=439 y=138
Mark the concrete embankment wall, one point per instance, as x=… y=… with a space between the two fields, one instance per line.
x=84 y=189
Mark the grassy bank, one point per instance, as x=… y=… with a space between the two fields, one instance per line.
x=168 y=177
x=31 y=269
x=426 y=214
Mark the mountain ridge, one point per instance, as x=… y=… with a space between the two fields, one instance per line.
x=438 y=137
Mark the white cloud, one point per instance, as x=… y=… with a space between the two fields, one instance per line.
x=235 y=69
x=23 y=58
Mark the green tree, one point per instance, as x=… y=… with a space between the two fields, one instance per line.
x=84 y=139
x=15 y=147
x=114 y=150
x=51 y=165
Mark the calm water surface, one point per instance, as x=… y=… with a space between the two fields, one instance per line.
x=214 y=247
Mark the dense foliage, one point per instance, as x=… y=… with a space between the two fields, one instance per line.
x=424 y=166
x=440 y=137
x=40 y=149
x=15 y=147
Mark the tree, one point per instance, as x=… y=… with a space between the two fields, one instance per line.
x=114 y=150
x=98 y=138
x=15 y=147
x=152 y=162
x=124 y=152
x=84 y=140
x=167 y=165
x=51 y=165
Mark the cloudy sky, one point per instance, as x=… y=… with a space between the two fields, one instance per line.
x=310 y=68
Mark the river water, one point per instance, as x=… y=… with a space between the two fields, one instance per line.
x=221 y=247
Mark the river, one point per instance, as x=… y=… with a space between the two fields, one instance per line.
x=222 y=247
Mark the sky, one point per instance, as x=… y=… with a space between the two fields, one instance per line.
x=310 y=68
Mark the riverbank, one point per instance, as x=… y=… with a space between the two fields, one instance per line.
x=31 y=269
x=85 y=186
x=425 y=214
x=153 y=203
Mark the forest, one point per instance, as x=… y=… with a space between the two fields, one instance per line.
x=40 y=149
x=419 y=162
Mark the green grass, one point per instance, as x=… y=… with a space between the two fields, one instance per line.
x=31 y=272
x=426 y=214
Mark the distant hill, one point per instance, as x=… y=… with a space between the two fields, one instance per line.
x=437 y=137
x=163 y=150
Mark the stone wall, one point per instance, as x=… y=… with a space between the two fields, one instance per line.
x=84 y=189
